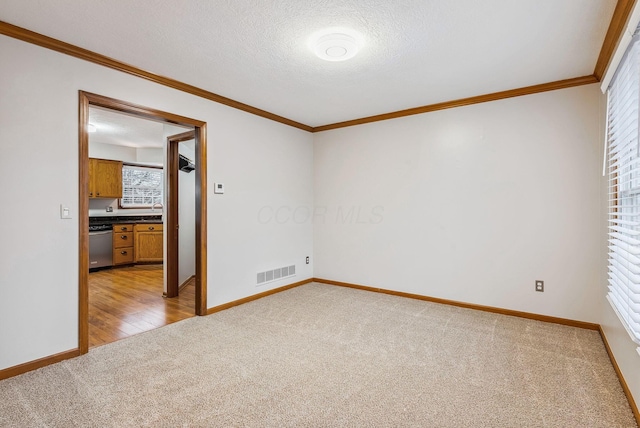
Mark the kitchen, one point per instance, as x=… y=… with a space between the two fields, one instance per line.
x=127 y=278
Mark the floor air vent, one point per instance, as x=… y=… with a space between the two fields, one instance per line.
x=276 y=274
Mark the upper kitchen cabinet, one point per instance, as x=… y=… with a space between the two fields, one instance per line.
x=105 y=178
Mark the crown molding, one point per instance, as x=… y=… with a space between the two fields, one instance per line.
x=87 y=55
x=621 y=15
x=528 y=90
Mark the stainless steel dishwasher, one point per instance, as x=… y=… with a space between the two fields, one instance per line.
x=100 y=248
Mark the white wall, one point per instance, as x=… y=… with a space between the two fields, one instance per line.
x=187 y=217
x=150 y=155
x=111 y=152
x=471 y=204
x=260 y=161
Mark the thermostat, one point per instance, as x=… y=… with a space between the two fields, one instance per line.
x=218 y=188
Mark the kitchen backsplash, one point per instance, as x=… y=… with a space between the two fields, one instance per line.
x=98 y=208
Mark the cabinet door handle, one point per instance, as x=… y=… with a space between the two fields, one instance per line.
x=90 y=193
x=98 y=193
x=123 y=237
x=123 y=228
x=123 y=253
x=151 y=228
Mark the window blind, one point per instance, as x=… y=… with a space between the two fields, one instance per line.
x=623 y=166
x=141 y=186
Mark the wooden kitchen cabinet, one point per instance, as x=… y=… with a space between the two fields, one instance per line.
x=105 y=178
x=148 y=242
x=122 y=228
x=123 y=249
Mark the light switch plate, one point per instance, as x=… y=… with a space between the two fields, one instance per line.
x=218 y=188
x=65 y=212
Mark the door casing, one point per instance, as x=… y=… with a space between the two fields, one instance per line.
x=87 y=99
x=173 y=221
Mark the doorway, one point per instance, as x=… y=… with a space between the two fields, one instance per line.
x=176 y=276
x=88 y=100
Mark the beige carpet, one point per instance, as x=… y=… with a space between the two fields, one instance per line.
x=325 y=356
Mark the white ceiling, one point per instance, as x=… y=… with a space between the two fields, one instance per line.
x=417 y=52
x=120 y=129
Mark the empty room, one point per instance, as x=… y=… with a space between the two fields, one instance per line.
x=320 y=213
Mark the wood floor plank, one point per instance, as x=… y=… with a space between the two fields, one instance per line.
x=99 y=336
x=109 y=321
x=128 y=300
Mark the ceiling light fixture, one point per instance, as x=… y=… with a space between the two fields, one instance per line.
x=336 y=44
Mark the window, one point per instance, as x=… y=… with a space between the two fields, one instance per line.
x=623 y=169
x=142 y=187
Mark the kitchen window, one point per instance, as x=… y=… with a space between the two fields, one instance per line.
x=142 y=187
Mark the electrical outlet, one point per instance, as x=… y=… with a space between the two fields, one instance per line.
x=109 y=209
x=307 y=259
x=539 y=285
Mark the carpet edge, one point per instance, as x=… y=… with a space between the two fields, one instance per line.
x=253 y=297
x=510 y=312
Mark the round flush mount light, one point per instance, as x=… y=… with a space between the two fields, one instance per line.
x=335 y=44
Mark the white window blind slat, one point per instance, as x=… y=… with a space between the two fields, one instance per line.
x=624 y=238
x=625 y=137
x=142 y=187
x=632 y=316
x=615 y=214
x=626 y=230
x=622 y=164
x=614 y=164
x=622 y=271
x=631 y=249
x=626 y=178
x=629 y=269
x=618 y=252
x=624 y=222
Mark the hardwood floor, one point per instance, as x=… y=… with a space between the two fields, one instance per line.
x=128 y=300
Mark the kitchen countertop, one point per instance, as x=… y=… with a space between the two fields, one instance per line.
x=126 y=219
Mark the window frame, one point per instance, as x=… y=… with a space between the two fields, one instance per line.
x=622 y=167
x=122 y=206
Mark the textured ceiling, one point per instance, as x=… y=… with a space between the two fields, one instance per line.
x=417 y=52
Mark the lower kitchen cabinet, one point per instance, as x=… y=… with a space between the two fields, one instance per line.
x=148 y=243
x=122 y=244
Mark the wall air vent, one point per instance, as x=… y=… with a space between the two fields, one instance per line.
x=276 y=274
